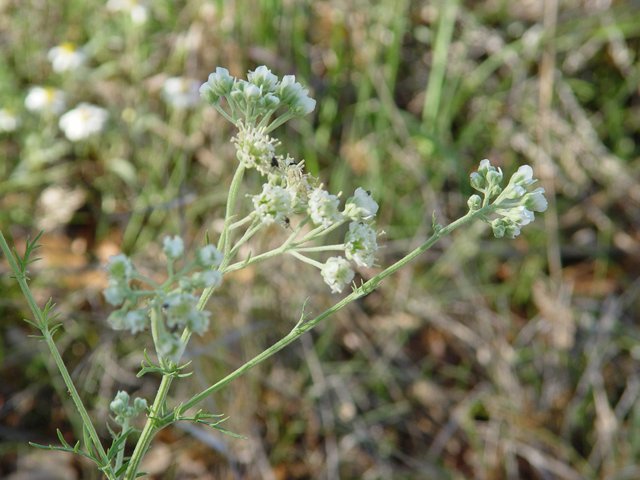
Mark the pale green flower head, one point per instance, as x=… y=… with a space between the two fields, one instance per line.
x=120 y=406
x=120 y=267
x=523 y=177
x=337 y=273
x=139 y=404
x=487 y=177
x=181 y=310
x=252 y=92
x=302 y=104
x=177 y=307
x=474 y=202
x=361 y=207
x=288 y=89
x=360 y=244
x=220 y=82
x=262 y=77
x=169 y=347
x=505 y=227
x=135 y=321
x=199 y=280
x=116 y=318
x=173 y=247
x=209 y=256
x=323 y=208
x=519 y=215
x=535 y=200
x=120 y=403
x=116 y=293
x=273 y=204
x=254 y=148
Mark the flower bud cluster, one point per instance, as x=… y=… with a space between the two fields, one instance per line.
x=173 y=308
x=120 y=406
x=515 y=203
x=258 y=96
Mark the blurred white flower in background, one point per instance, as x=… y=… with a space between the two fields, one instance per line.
x=45 y=99
x=66 y=56
x=83 y=121
x=181 y=92
x=57 y=205
x=9 y=121
x=137 y=10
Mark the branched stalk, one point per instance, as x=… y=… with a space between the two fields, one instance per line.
x=302 y=327
x=48 y=338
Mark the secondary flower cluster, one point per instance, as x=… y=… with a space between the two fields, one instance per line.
x=515 y=203
x=258 y=96
x=289 y=190
x=120 y=406
x=171 y=308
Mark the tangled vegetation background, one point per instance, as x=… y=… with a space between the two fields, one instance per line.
x=484 y=359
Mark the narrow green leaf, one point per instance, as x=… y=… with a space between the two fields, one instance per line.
x=115 y=447
x=227 y=432
x=31 y=322
x=88 y=443
x=62 y=440
x=42 y=447
x=113 y=434
x=122 y=469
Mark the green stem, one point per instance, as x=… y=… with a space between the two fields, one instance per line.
x=251 y=231
x=234 y=188
x=323 y=248
x=225 y=114
x=150 y=428
x=44 y=328
x=279 y=121
x=301 y=328
x=120 y=456
x=308 y=260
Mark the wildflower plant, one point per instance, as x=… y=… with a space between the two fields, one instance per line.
x=170 y=313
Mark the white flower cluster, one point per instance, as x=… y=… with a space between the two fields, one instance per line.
x=273 y=204
x=254 y=148
x=360 y=242
x=290 y=191
x=177 y=308
x=515 y=203
x=260 y=95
